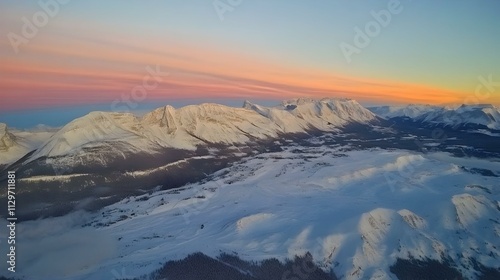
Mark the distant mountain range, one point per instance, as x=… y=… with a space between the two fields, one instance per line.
x=190 y=127
x=483 y=114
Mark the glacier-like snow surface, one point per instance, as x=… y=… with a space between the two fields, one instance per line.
x=355 y=212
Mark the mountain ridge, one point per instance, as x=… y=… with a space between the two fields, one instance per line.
x=486 y=115
x=190 y=126
x=193 y=125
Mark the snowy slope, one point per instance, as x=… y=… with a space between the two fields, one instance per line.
x=356 y=212
x=190 y=126
x=91 y=129
x=298 y=115
x=326 y=112
x=212 y=123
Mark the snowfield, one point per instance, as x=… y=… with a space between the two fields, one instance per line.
x=356 y=212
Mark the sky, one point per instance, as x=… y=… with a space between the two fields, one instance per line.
x=63 y=58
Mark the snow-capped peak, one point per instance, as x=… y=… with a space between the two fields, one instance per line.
x=162 y=116
x=346 y=109
x=7 y=140
x=248 y=105
x=94 y=127
x=197 y=124
x=14 y=144
x=481 y=114
x=323 y=114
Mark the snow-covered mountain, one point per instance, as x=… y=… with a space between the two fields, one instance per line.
x=256 y=180
x=483 y=114
x=7 y=140
x=195 y=125
x=14 y=144
x=301 y=114
x=115 y=152
x=94 y=129
x=356 y=212
x=487 y=115
x=410 y=111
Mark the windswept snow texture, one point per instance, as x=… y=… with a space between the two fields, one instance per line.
x=356 y=212
x=480 y=114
